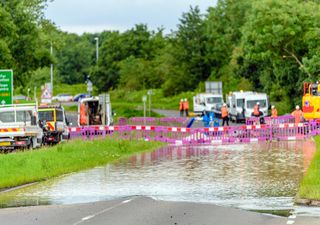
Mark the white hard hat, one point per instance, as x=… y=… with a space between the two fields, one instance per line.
x=185 y=99
x=297 y=107
x=273 y=107
x=258 y=103
x=224 y=104
x=181 y=100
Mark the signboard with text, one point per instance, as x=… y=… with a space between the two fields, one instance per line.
x=6 y=87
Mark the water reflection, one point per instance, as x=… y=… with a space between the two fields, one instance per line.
x=255 y=176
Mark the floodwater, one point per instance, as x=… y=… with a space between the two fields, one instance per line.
x=261 y=176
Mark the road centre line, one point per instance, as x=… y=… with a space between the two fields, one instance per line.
x=102 y=211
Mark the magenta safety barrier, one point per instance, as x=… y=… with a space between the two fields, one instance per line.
x=270 y=120
x=211 y=135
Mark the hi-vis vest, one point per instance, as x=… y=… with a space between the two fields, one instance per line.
x=224 y=111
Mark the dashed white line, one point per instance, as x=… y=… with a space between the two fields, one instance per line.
x=87 y=217
x=292 y=217
x=290 y=222
x=102 y=211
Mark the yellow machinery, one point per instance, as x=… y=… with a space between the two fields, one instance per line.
x=311 y=101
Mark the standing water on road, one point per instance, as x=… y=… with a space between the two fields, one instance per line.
x=261 y=176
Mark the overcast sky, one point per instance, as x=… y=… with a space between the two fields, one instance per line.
x=80 y=16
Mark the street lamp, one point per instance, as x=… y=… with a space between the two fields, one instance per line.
x=97 y=48
x=51 y=70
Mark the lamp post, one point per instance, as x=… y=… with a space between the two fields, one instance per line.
x=51 y=70
x=28 y=91
x=97 y=48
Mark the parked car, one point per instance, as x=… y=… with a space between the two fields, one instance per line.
x=62 y=98
x=19 y=97
x=80 y=96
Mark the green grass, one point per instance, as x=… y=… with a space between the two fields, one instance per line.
x=31 y=166
x=310 y=185
x=158 y=100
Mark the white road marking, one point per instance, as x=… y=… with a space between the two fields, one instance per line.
x=292 y=217
x=126 y=201
x=102 y=211
x=290 y=222
x=87 y=217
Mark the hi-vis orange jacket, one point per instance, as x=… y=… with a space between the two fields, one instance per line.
x=298 y=114
x=224 y=112
x=274 y=113
x=186 y=105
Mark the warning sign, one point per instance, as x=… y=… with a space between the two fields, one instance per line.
x=46 y=96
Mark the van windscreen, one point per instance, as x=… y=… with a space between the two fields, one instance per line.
x=252 y=103
x=213 y=100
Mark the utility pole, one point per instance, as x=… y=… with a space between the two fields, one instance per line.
x=97 y=48
x=51 y=70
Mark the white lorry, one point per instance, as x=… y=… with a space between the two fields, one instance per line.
x=210 y=100
x=241 y=104
x=19 y=127
x=95 y=111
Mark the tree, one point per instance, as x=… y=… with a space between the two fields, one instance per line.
x=277 y=41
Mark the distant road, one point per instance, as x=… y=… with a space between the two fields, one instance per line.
x=137 y=211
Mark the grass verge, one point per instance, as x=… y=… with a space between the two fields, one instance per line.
x=310 y=185
x=31 y=166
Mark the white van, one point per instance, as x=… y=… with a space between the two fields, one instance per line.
x=241 y=104
x=236 y=104
x=252 y=99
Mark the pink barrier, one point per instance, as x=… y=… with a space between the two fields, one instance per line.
x=270 y=120
x=212 y=135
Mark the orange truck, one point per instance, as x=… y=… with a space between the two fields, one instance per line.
x=311 y=101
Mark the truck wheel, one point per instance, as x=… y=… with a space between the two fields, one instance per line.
x=30 y=146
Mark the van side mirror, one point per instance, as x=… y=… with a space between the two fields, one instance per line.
x=33 y=120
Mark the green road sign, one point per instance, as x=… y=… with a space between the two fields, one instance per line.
x=6 y=87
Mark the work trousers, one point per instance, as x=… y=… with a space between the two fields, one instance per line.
x=225 y=120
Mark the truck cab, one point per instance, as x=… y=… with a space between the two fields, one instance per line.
x=206 y=102
x=54 y=122
x=19 y=127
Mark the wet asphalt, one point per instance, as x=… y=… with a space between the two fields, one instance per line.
x=136 y=211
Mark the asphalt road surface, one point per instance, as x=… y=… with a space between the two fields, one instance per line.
x=135 y=211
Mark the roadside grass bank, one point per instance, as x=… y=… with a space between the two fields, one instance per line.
x=31 y=166
x=310 y=186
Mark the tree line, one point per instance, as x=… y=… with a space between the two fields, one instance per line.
x=263 y=45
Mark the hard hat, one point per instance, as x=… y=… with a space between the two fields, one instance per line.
x=272 y=107
x=181 y=100
x=185 y=99
x=297 y=107
x=258 y=103
x=224 y=104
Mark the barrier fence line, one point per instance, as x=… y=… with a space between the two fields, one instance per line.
x=212 y=135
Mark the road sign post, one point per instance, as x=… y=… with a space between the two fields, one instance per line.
x=149 y=93
x=144 y=99
x=6 y=87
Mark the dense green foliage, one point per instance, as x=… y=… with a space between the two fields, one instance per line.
x=31 y=166
x=264 y=45
x=310 y=185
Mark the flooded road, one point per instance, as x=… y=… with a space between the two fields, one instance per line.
x=262 y=176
